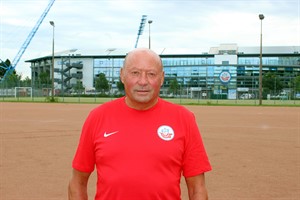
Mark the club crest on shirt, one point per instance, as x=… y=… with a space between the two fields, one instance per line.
x=165 y=133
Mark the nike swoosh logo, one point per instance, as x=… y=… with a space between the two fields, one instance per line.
x=109 y=134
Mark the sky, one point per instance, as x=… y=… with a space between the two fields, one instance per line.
x=179 y=26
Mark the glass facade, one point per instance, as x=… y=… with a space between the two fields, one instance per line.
x=226 y=72
x=199 y=76
x=110 y=67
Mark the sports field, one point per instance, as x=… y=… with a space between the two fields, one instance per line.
x=254 y=151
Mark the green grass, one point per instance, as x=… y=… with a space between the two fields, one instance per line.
x=209 y=102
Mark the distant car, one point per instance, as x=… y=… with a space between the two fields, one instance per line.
x=297 y=96
x=282 y=96
x=247 y=96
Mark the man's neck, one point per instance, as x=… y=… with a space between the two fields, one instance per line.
x=140 y=106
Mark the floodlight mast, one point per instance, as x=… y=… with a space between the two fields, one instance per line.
x=141 y=29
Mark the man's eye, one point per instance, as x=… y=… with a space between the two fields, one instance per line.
x=135 y=73
x=151 y=75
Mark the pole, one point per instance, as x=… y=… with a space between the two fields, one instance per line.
x=261 y=17
x=149 y=22
x=52 y=68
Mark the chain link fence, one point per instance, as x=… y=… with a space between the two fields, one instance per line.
x=185 y=95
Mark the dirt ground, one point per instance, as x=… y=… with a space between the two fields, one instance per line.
x=254 y=151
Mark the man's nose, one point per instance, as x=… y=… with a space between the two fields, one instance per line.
x=143 y=79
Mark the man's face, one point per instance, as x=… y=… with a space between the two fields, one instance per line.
x=142 y=77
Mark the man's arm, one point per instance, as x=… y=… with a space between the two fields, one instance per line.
x=196 y=187
x=78 y=185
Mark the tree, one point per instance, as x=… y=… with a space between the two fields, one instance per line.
x=297 y=84
x=44 y=79
x=120 y=86
x=26 y=82
x=101 y=83
x=3 y=67
x=271 y=82
x=174 y=86
x=79 y=87
x=13 y=79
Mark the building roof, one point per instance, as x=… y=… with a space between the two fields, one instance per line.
x=270 y=50
x=182 y=51
x=230 y=47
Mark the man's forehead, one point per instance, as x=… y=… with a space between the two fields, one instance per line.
x=145 y=57
x=137 y=66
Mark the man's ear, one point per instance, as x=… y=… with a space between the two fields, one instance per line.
x=122 y=75
x=163 y=78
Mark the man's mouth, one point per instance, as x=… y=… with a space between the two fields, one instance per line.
x=142 y=91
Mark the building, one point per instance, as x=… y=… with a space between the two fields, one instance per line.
x=227 y=71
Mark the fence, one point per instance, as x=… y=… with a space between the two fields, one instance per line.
x=183 y=96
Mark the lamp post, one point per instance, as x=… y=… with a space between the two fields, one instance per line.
x=112 y=67
x=261 y=17
x=52 y=68
x=149 y=22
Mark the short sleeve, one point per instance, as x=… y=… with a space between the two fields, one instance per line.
x=84 y=159
x=195 y=159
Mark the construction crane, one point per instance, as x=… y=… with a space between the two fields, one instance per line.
x=141 y=29
x=9 y=69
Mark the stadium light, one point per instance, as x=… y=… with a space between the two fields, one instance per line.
x=141 y=29
x=261 y=17
x=52 y=68
x=149 y=22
